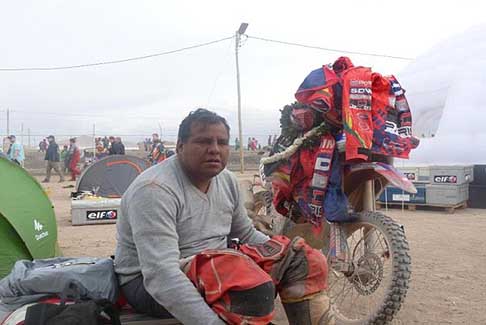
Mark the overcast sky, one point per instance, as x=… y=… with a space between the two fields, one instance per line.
x=133 y=98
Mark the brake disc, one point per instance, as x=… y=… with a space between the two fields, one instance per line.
x=368 y=274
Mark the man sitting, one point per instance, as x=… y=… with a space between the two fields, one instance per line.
x=172 y=254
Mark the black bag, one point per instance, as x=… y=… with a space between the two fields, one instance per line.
x=87 y=312
x=81 y=313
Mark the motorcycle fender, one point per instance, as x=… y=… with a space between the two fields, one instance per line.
x=390 y=173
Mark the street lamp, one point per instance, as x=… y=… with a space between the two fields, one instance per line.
x=238 y=34
x=242 y=28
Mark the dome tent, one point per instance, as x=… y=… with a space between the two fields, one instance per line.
x=445 y=88
x=110 y=177
x=28 y=228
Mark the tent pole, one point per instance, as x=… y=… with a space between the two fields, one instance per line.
x=94 y=140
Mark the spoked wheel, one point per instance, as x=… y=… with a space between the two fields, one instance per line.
x=372 y=286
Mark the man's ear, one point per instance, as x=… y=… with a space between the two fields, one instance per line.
x=179 y=146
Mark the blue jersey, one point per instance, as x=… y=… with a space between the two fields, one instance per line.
x=16 y=152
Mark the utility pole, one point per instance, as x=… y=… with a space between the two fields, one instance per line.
x=22 y=133
x=8 y=122
x=28 y=137
x=238 y=34
x=160 y=131
x=94 y=141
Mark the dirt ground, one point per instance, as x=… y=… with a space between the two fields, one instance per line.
x=448 y=253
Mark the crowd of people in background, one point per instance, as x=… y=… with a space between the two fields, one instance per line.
x=109 y=146
x=147 y=143
x=15 y=151
x=63 y=162
x=66 y=161
x=253 y=145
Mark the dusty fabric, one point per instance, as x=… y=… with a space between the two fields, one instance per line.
x=30 y=281
x=166 y=218
x=297 y=271
x=240 y=285
x=371 y=108
x=305 y=180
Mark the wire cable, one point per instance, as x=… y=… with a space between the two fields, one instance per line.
x=117 y=61
x=62 y=115
x=223 y=64
x=331 y=50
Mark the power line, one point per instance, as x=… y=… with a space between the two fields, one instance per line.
x=144 y=57
x=222 y=66
x=330 y=50
x=116 y=61
x=60 y=115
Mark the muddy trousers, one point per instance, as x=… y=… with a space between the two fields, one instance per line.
x=240 y=285
x=57 y=168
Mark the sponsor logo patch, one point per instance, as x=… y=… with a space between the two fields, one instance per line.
x=38 y=227
x=269 y=248
x=410 y=176
x=445 y=179
x=102 y=215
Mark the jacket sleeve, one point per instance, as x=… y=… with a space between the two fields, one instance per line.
x=153 y=217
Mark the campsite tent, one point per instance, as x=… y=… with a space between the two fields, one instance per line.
x=27 y=223
x=111 y=176
x=445 y=89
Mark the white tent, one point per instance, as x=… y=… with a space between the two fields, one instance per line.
x=446 y=90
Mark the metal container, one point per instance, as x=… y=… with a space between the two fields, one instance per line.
x=419 y=174
x=86 y=212
x=446 y=195
x=396 y=195
x=479 y=175
x=477 y=196
x=451 y=175
x=411 y=172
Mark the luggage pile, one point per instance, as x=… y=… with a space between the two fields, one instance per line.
x=344 y=114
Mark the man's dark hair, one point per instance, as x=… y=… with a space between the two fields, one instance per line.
x=202 y=116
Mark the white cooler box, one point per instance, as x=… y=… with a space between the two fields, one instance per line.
x=88 y=212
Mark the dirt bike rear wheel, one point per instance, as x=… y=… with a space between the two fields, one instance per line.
x=373 y=288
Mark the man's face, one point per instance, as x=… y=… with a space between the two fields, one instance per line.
x=205 y=154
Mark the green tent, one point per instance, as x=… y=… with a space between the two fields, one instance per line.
x=27 y=222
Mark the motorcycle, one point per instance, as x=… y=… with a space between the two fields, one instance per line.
x=368 y=257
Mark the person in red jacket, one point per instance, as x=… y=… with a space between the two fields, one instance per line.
x=74 y=157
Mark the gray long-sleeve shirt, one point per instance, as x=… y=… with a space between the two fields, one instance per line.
x=166 y=218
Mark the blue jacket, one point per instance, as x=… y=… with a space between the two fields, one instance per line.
x=16 y=147
x=52 y=153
